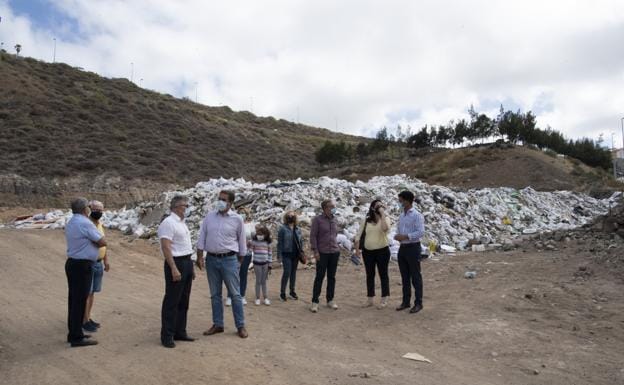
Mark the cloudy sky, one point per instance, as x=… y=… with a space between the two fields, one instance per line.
x=351 y=65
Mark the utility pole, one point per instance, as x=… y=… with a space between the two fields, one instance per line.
x=131 y=71
x=196 y=92
x=141 y=82
x=251 y=104
x=614 y=154
x=54 y=54
x=297 y=114
x=622 y=120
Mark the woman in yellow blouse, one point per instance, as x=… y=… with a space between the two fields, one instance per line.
x=375 y=251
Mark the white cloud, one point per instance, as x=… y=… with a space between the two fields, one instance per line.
x=353 y=64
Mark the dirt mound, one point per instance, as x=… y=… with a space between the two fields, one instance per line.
x=487 y=166
x=612 y=222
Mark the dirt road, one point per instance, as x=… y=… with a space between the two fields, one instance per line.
x=527 y=318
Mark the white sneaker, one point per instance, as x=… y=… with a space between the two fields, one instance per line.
x=244 y=301
x=257 y=302
x=369 y=302
x=383 y=303
x=332 y=305
x=314 y=308
x=228 y=301
x=267 y=301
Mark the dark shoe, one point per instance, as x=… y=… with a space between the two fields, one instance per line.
x=293 y=295
x=242 y=333
x=213 y=330
x=83 y=342
x=89 y=327
x=85 y=336
x=402 y=307
x=416 y=309
x=184 y=338
x=283 y=297
x=96 y=324
x=168 y=344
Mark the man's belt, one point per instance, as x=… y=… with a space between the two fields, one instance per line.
x=184 y=256
x=222 y=255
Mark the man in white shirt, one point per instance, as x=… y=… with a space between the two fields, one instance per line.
x=222 y=237
x=175 y=242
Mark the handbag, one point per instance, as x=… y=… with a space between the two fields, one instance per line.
x=302 y=257
x=363 y=236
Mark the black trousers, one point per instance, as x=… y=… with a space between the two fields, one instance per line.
x=379 y=258
x=328 y=264
x=79 y=277
x=176 y=301
x=409 y=265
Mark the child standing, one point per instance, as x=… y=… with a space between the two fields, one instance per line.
x=262 y=259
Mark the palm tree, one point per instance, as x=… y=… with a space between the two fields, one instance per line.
x=18 y=48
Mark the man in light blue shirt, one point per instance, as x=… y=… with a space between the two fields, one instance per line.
x=222 y=237
x=410 y=230
x=83 y=243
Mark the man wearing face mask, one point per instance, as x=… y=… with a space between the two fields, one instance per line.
x=99 y=267
x=222 y=237
x=176 y=246
x=327 y=253
x=83 y=241
x=410 y=230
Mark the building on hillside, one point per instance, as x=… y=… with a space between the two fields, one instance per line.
x=617 y=153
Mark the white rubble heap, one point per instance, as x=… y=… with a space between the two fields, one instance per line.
x=454 y=219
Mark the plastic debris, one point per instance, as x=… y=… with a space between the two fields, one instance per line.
x=416 y=357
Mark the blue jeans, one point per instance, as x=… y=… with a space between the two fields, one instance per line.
x=242 y=274
x=289 y=272
x=96 y=280
x=219 y=271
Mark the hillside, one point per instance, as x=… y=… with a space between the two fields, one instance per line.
x=58 y=122
x=64 y=131
x=486 y=166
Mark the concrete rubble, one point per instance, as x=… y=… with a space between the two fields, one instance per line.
x=455 y=220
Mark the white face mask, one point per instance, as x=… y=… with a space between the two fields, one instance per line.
x=260 y=237
x=221 y=205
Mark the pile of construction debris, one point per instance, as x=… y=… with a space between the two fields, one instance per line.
x=455 y=220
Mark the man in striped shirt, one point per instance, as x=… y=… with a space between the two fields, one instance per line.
x=411 y=229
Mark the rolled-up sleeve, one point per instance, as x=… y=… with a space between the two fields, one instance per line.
x=419 y=228
x=201 y=239
x=242 y=239
x=91 y=232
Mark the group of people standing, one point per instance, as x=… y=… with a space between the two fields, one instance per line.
x=229 y=242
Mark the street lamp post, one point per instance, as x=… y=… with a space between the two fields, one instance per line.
x=622 y=120
x=613 y=155
x=131 y=71
x=54 y=54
